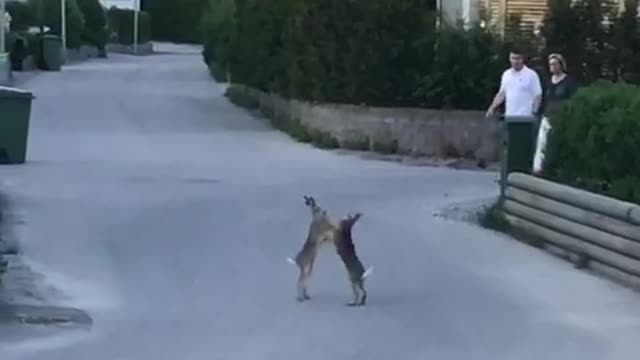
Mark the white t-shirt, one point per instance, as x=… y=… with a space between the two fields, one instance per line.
x=520 y=89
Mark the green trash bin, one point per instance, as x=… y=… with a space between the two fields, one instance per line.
x=15 y=112
x=5 y=69
x=52 y=52
x=519 y=145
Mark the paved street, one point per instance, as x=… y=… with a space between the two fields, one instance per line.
x=166 y=214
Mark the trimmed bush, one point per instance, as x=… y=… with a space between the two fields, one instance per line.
x=595 y=141
x=217 y=31
x=121 y=26
x=22 y=16
x=48 y=14
x=95 y=31
x=378 y=53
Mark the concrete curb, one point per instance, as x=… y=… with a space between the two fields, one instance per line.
x=601 y=232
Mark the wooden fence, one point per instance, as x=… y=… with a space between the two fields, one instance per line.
x=602 y=232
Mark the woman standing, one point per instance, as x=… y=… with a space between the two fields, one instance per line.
x=559 y=89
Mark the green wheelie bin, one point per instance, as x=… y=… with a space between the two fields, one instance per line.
x=15 y=113
x=519 y=145
x=52 y=52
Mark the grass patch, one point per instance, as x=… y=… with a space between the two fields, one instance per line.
x=385 y=147
x=323 y=139
x=492 y=217
x=241 y=98
x=299 y=132
x=362 y=144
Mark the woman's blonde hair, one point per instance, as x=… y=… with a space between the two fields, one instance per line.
x=559 y=58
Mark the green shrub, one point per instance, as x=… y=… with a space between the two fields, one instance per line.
x=323 y=139
x=378 y=53
x=360 y=144
x=383 y=147
x=465 y=70
x=298 y=131
x=95 y=31
x=595 y=141
x=217 y=31
x=121 y=26
x=240 y=97
x=47 y=13
x=176 y=21
x=217 y=72
x=22 y=16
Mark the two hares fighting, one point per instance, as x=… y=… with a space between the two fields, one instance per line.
x=322 y=230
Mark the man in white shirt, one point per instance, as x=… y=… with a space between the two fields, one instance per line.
x=520 y=88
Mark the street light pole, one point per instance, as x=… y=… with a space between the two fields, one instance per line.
x=3 y=19
x=136 y=11
x=63 y=26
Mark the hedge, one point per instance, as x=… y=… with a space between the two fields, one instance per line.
x=594 y=143
x=176 y=21
x=49 y=15
x=22 y=15
x=95 y=31
x=121 y=26
x=379 y=53
x=217 y=32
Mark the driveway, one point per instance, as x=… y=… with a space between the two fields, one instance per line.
x=166 y=214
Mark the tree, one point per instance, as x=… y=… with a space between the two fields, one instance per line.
x=626 y=44
x=95 y=31
x=48 y=14
x=594 y=34
x=561 y=32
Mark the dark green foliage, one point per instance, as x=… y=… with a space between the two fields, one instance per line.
x=217 y=72
x=176 y=21
x=121 y=26
x=48 y=13
x=594 y=141
x=217 y=31
x=22 y=15
x=492 y=217
x=95 y=31
x=323 y=139
x=240 y=97
x=626 y=45
x=390 y=147
x=380 y=53
x=465 y=71
x=361 y=144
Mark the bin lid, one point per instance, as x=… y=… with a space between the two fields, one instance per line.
x=7 y=91
x=51 y=37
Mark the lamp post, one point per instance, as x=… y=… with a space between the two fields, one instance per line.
x=63 y=27
x=136 y=6
x=3 y=19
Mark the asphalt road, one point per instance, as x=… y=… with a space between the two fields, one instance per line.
x=166 y=214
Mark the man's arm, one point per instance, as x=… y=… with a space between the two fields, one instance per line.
x=537 y=92
x=498 y=99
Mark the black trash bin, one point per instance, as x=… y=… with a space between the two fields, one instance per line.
x=15 y=107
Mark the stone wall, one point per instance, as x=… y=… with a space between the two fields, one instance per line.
x=415 y=132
